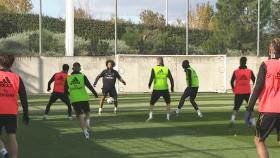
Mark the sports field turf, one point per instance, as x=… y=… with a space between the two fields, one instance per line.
x=127 y=135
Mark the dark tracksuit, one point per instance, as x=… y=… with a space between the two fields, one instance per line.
x=56 y=95
x=190 y=91
x=239 y=98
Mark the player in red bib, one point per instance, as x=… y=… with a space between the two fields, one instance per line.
x=11 y=87
x=240 y=83
x=267 y=90
x=59 y=91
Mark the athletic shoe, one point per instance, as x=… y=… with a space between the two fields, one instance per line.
x=231 y=123
x=86 y=134
x=6 y=155
x=199 y=114
x=45 y=117
x=149 y=119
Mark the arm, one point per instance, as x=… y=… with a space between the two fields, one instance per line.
x=50 y=82
x=171 y=80
x=152 y=77
x=253 y=78
x=89 y=86
x=66 y=91
x=232 y=80
x=24 y=102
x=189 y=75
x=120 y=78
x=258 y=87
x=98 y=77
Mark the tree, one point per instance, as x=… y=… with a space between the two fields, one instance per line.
x=150 y=18
x=202 y=18
x=82 y=9
x=80 y=13
x=17 y=6
x=235 y=26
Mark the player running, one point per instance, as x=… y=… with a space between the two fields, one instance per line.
x=240 y=83
x=76 y=83
x=109 y=76
x=191 y=90
x=11 y=86
x=59 y=91
x=159 y=75
x=267 y=89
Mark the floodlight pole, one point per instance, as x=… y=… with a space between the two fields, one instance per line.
x=258 y=34
x=69 y=28
x=116 y=27
x=187 y=28
x=40 y=29
x=166 y=12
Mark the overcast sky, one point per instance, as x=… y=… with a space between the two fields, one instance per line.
x=127 y=9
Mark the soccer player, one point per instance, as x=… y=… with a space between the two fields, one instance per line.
x=159 y=75
x=59 y=79
x=109 y=76
x=191 y=90
x=267 y=89
x=11 y=86
x=240 y=83
x=76 y=83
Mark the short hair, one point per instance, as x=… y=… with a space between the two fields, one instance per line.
x=185 y=63
x=243 y=61
x=160 y=59
x=275 y=43
x=7 y=60
x=65 y=67
x=76 y=66
x=110 y=61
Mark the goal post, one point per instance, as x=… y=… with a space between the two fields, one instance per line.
x=136 y=70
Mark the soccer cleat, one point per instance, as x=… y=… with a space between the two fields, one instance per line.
x=177 y=112
x=149 y=119
x=199 y=114
x=86 y=134
x=45 y=117
x=6 y=155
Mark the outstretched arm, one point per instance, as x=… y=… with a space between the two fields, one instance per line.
x=171 y=80
x=258 y=87
x=98 y=77
x=152 y=76
x=120 y=78
x=24 y=102
x=89 y=86
x=50 y=82
x=232 y=80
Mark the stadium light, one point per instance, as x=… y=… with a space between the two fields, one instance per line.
x=187 y=28
x=69 y=28
x=166 y=12
x=116 y=27
x=40 y=29
x=258 y=34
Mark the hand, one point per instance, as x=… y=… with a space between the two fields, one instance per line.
x=25 y=119
x=247 y=117
x=149 y=86
x=124 y=83
x=49 y=88
x=94 y=85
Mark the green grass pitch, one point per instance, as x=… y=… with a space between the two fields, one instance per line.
x=127 y=135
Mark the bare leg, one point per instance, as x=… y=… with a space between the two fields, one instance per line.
x=13 y=145
x=102 y=99
x=261 y=148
